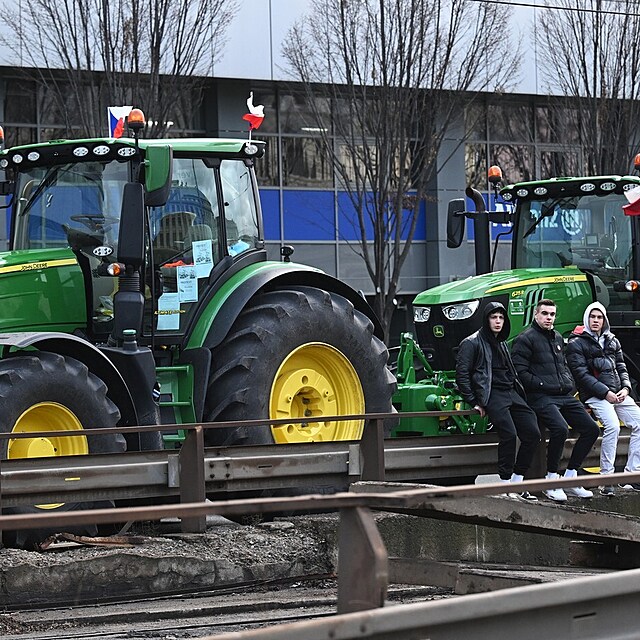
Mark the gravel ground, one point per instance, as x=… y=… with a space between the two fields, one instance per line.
x=280 y=540
x=295 y=540
x=245 y=545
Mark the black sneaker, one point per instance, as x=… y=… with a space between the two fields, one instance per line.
x=634 y=486
x=607 y=491
x=527 y=497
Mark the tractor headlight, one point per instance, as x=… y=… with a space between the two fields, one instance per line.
x=460 y=311
x=421 y=314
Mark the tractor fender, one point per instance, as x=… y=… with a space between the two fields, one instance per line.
x=72 y=346
x=285 y=276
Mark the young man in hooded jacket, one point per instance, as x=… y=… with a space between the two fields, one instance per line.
x=596 y=361
x=539 y=358
x=487 y=380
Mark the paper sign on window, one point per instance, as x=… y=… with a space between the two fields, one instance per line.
x=169 y=312
x=187 y=284
x=202 y=257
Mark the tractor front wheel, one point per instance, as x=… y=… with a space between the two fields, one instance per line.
x=43 y=392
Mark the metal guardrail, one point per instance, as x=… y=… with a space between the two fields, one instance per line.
x=195 y=471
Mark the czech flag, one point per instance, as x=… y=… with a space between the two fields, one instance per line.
x=117 y=117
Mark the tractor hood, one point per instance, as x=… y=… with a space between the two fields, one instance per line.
x=445 y=315
x=489 y=284
x=41 y=290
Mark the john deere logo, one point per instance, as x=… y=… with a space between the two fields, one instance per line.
x=438 y=331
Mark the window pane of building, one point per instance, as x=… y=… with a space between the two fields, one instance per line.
x=516 y=161
x=267 y=166
x=305 y=163
x=298 y=115
x=475 y=121
x=557 y=123
x=475 y=165
x=20 y=102
x=563 y=162
x=510 y=122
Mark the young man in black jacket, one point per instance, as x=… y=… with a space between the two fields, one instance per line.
x=596 y=361
x=538 y=355
x=487 y=381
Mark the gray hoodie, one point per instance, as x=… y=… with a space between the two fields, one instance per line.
x=606 y=327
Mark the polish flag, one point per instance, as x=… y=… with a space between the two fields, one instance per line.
x=255 y=115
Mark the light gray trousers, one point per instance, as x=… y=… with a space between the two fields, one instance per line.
x=610 y=416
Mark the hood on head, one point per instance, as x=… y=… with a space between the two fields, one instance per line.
x=585 y=318
x=506 y=327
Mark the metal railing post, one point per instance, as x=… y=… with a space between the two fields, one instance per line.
x=192 y=483
x=363 y=571
x=372 y=450
x=1 y=545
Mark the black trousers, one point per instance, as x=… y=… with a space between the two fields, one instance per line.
x=557 y=414
x=512 y=417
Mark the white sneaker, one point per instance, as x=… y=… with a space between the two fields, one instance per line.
x=557 y=495
x=578 y=492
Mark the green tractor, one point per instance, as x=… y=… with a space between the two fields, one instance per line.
x=574 y=240
x=137 y=291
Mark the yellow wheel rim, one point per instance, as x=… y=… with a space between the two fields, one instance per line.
x=47 y=416
x=316 y=379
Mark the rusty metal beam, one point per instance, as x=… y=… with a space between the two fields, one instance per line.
x=192 y=485
x=362 y=562
x=372 y=451
x=510 y=513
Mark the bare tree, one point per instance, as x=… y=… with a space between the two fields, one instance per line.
x=394 y=73
x=90 y=54
x=590 y=55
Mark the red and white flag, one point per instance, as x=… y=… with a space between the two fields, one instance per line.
x=255 y=115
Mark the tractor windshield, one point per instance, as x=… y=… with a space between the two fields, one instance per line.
x=75 y=204
x=588 y=231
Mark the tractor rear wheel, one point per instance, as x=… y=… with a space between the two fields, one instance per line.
x=299 y=354
x=48 y=392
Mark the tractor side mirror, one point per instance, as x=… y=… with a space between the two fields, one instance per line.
x=158 y=172
x=455 y=222
x=132 y=227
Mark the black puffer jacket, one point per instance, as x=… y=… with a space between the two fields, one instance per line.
x=597 y=369
x=475 y=357
x=539 y=360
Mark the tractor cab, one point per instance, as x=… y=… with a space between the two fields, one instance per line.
x=67 y=208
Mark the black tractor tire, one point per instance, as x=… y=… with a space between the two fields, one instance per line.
x=62 y=386
x=275 y=325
